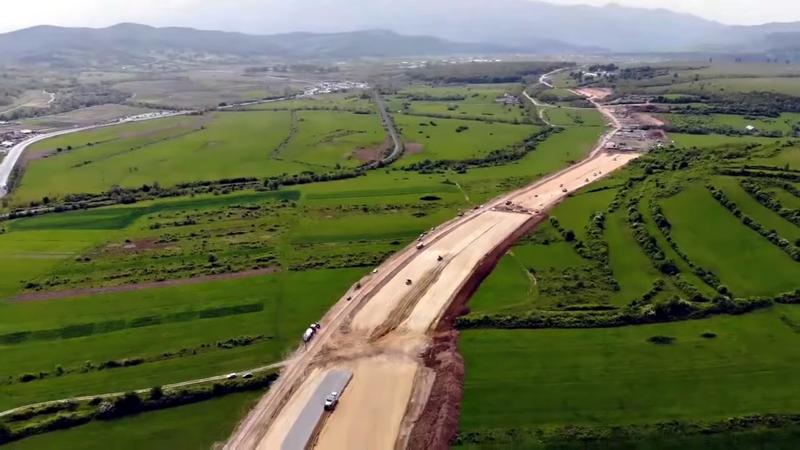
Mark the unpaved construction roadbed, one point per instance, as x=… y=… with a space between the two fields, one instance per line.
x=307 y=423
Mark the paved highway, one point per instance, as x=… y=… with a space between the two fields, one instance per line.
x=306 y=426
x=11 y=159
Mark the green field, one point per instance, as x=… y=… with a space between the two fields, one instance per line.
x=191 y=427
x=148 y=323
x=468 y=101
x=630 y=266
x=781 y=85
x=195 y=148
x=715 y=140
x=745 y=261
x=439 y=138
x=328 y=138
x=533 y=378
x=758 y=212
x=331 y=101
x=784 y=124
x=549 y=387
x=566 y=117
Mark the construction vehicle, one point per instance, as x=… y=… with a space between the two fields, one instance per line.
x=420 y=246
x=440 y=258
x=408 y=282
x=310 y=332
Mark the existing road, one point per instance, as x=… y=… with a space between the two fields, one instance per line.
x=173 y=386
x=379 y=329
x=388 y=122
x=540 y=107
x=10 y=161
x=305 y=427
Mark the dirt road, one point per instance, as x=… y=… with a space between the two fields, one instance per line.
x=380 y=331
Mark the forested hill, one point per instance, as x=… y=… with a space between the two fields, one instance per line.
x=137 y=43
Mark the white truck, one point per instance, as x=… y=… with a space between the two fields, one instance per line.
x=310 y=332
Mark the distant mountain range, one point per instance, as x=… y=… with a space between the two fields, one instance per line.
x=419 y=28
x=136 y=43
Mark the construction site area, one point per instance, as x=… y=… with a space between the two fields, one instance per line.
x=381 y=370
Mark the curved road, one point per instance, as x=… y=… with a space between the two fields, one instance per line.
x=11 y=159
x=391 y=128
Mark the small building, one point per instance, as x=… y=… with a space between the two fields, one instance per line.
x=26 y=131
x=611 y=146
x=508 y=99
x=750 y=128
x=7 y=144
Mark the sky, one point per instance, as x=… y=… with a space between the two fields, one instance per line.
x=232 y=15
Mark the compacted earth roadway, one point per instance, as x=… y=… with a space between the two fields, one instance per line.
x=383 y=331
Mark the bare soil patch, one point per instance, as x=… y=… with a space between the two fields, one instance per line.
x=595 y=93
x=648 y=120
x=136 y=246
x=412 y=148
x=438 y=423
x=373 y=154
x=657 y=135
x=71 y=293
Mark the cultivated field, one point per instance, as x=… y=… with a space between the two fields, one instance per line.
x=702 y=234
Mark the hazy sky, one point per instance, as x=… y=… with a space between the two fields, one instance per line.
x=238 y=14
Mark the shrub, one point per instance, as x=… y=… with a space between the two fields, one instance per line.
x=5 y=433
x=156 y=392
x=709 y=335
x=430 y=198
x=27 y=377
x=661 y=340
